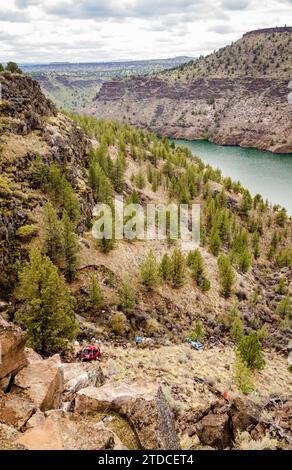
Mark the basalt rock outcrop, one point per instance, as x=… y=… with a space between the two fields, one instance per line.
x=30 y=128
x=144 y=405
x=59 y=432
x=249 y=112
x=41 y=383
x=12 y=350
x=235 y=96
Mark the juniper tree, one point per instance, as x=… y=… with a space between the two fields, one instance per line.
x=165 y=267
x=284 y=308
x=140 y=180
x=178 y=270
x=237 y=330
x=226 y=275
x=281 y=217
x=244 y=260
x=118 y=174
x=198 y=333
x=250 y=351
x=242 y=376
x=149 y=271
x=281 y=287
x=71 y=205
x=215 y=242
x=49 y=317
x=13 y=67
x=96 y=297
x=70 y=248
x=127 y=296
x=53 y=239
x=196 y=263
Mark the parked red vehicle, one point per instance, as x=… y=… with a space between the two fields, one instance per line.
x=89 y=353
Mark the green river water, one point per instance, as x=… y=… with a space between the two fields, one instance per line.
x=261 y=172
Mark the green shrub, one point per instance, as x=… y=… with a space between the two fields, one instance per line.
x=250 y=351
x=96 y=297
x=127 y=296
x=150 y=273
x=226 y=275
x=198 y=334
x=26 y=232
x=119 y=323
x=242 y=377
x=237 y=330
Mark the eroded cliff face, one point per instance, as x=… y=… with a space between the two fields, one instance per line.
x=30 y=127
x=235 y=96
x=250 y=112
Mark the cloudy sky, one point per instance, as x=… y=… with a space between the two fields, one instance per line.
x=97 y=30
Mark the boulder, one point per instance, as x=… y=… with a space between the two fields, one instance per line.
x=245 y=414
x=66 y=433
x=12 y=343
x=78 y=375
x=16 y=411
x=214 y=430
x=41 y=383
x=37 y=419
x=32 y=356
x=144 y=405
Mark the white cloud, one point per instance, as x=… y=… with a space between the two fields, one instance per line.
x=95 y=30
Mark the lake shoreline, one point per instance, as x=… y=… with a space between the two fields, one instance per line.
x=261 y=172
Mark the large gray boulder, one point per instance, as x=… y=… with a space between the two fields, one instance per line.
x=41 y=383
x=67 y=432
x=144 y=405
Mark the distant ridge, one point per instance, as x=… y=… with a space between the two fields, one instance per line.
x=280 y=29
x=237 y=95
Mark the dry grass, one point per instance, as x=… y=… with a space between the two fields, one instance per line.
x=176 y=366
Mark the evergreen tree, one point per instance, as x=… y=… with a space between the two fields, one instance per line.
x=49 y=319
x=53 y=242
x=133 y=198
x=118 y=174
x=244 y=261
x=108 y=240
x=150 y=274
x=281 y=287
x=237 y=330
x=177 y=268
x=226 y=275
x=71 y=203
x=127 y=296
x=198 y=334
x=284 y=308
x=96 y=297
x=13 y=67
x=99 y=183
x=196 y=263
x=242 y=377
x=71 y=248
x=1 y=68
x=39 y=173
x=250 y=351
x=215 y=242
x=140 y=180
x=246 y=204
x=165 y=267
x=281 y=217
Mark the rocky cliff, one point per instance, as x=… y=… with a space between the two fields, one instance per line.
x=30 y=128
x=236 y=96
